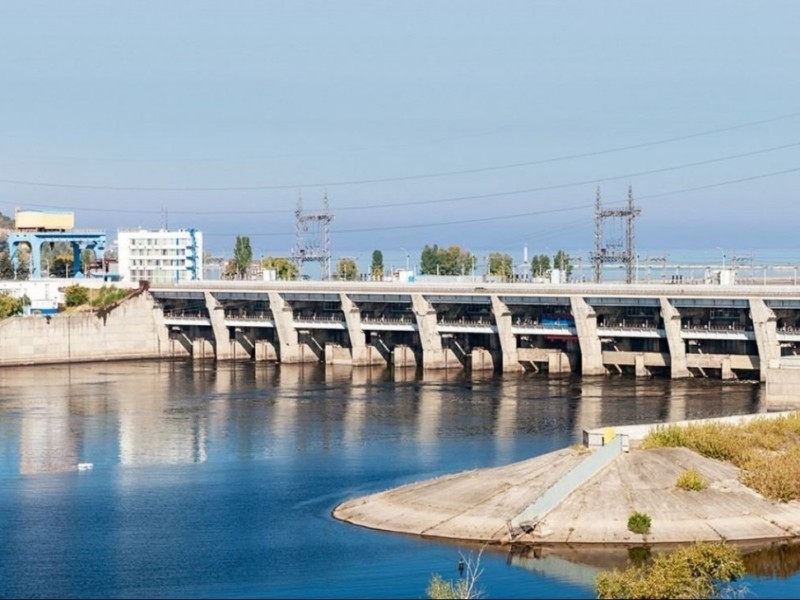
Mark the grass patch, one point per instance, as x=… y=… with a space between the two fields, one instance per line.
x=691 y=481
x=766 y=450
x=639 y=523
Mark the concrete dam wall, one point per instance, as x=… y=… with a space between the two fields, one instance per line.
x=133 y=330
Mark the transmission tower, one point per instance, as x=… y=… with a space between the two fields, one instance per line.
x=613 y=251
x=312 y=240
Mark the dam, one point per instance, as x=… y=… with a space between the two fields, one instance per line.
x=671 y=330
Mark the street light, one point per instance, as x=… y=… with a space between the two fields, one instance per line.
x=723 y=257
x=406 y=251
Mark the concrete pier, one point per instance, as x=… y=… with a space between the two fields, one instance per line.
x=479 y=505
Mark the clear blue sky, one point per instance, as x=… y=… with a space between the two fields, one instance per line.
x=483 y=124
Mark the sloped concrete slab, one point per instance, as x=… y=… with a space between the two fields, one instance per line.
x=476 y=505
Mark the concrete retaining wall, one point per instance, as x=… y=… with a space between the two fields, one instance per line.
x=134 y=329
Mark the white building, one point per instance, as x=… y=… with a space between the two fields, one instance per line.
x=159 y=256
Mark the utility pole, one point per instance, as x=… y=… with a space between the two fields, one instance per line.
x=613 y=251
x=316 y=245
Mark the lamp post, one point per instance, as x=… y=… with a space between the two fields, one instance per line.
x=723 y=257
x=407 y=257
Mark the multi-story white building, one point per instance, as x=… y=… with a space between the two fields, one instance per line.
x=159 y=256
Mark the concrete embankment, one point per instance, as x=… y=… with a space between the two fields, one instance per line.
x=135 y=329
x=478 y=505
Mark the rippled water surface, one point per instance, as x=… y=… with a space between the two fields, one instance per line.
x=219 y=481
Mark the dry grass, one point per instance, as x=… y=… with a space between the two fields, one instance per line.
x=690 y=481
x=766 y=450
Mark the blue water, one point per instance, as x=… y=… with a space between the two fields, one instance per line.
x=220 y=481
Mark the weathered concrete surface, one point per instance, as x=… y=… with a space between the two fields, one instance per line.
x=472 y=505
x=135 y=329
x=476 y=505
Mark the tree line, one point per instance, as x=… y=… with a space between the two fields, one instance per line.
x=434 y=260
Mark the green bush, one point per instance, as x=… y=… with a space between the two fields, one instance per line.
x=9 y=305
x=76 y=295
x=639 y=523
x=107 y=295
x=702 y=570
x=691 y=481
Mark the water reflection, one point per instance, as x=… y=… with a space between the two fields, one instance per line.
x=234 y=468
x=778 y=560
x=583 y=564
x=183 y=413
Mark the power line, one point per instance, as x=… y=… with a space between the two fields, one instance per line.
x=497 y=194
x=397 y=178
x=530 y=213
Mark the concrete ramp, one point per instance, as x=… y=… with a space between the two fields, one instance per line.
x=530 y=520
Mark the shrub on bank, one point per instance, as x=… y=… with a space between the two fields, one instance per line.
x=9 y=305
x=107 y=295
x=702 y=570
x=691 y=481
x=77 y=295
x=639 y=523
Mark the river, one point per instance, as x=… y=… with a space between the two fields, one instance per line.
x=219 y=480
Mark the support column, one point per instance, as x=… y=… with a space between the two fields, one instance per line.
x=508 y=343
x=640 y=369
x=265 y=351
x=289 y=351
x=165 y=346
x=726 y=371
x=589 y=341
x=361 y=353
x=677 y=347
x=202 y=349
x=766 y=330
x=433 y=353
x=222 y=344
x=403 y=356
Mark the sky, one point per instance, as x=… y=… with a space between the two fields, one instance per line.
x=487 y=125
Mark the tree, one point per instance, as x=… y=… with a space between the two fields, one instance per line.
x=376 y=269
x=61 y=265
x=562 y=262
x=346 y=269
x=9 y=305
x=429 y=260
x=242 y=256
x=438 y=261
x=501 y=265
x=540 y=265
x=6 y=268
x=284 y=267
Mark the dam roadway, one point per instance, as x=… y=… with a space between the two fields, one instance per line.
x=676 y=330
